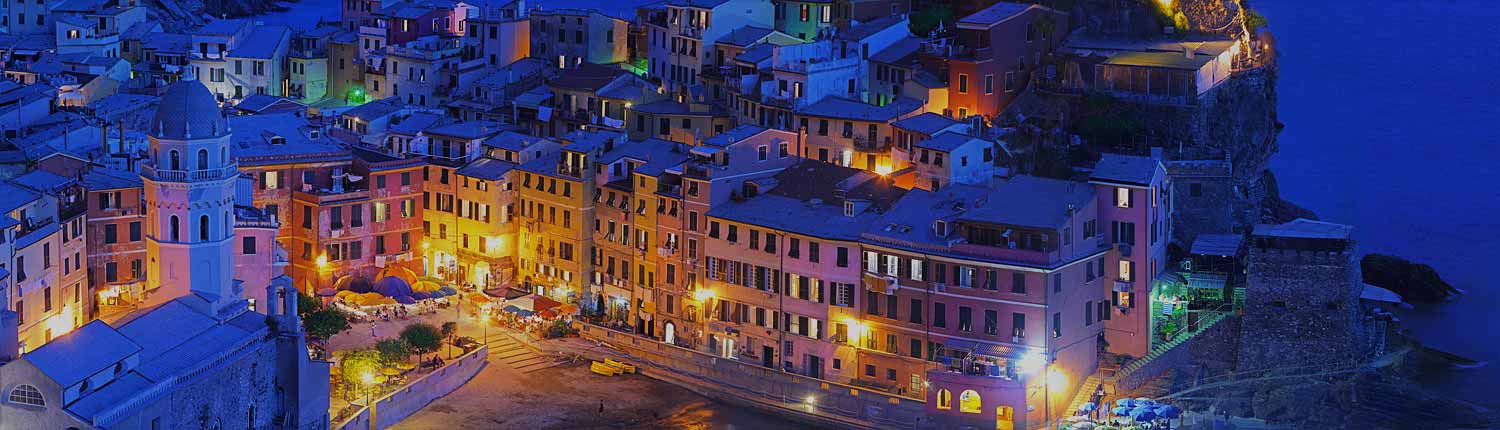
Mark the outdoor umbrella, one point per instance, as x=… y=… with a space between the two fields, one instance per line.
x=393 y=287
x=448 y=291
x=1121 y=411
x=1077 y=418
x=405 y=300
x=421 y=295
x=399 y=272
x=1087 y=407
x=511 y=308
x=567 y=309
x=1142 y=401
x=548 y=313
x=425 y=285
x=1142 y=414
x=327 y=292
x=1168 y=412
x=525 y=313
x=1125 y=402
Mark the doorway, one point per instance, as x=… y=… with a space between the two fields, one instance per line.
x=669 y=333
x=1005 y=418
x=726 y=348
x=814 y=366
x=768 y=357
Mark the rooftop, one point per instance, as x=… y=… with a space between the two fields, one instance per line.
x=104 y=178
x=927 y=123
x=1223 y=245
x=744 y=36
x=741 y=132
x=83 y=352
x=262 y=43
x=842 y=108
x=468 y=129
x=808 y=199
x=948 y=141
x=222 y=27
x=14 y=196
x=1030 y=201
x=43 y=181
x=1303 y=228
x=587 y=76
x=513 y=141
x=486 y=168
x=253 y=139
x=1125 y=169
x=995 y=14
x=375 y=109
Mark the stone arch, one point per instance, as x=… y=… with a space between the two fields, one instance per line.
x=176 y=228
x=202 y=159
x=176 y=160
x=969 y=402
x=944 y=399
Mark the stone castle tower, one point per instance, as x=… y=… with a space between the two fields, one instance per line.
x=1301 y=297
x=190 y=195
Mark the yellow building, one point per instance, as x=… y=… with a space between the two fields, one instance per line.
x=486 y=208
x=554 y=206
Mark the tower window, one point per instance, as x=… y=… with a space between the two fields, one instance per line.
x=175 y=229
x=203 y=228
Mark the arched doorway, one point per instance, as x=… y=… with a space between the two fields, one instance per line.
x=1005 y=418
x=669 y=333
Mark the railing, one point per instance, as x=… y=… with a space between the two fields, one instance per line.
x=229 y=171
x=869 y=144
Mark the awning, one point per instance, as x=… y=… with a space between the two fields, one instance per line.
x=877 y=284
x=1206 y=281
x=544 y=114
x=982 y=348
x=706 y=151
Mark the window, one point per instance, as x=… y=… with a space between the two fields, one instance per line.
x=110 y=233
x=968 y=402
x=248 y=247
x=965 y=318
x=1126 y=267
x=1122 y=197
x=1088 y=313
x=843 y=257
x=27 y=395
x=762 y=152
x=1010 y=81
x=944 y=399
x=812 y=251
x=1018 y=326
x=176 y=228
x=963 y=84
x=802 y=13
x=915 y=316
x=203 y=228
x=989 y=84
x=1018 y=283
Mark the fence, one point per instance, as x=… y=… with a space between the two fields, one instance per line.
x=799 y=397
x=397 y=405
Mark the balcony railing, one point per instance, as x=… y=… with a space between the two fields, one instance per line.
x=865 y=143
x=228 y=171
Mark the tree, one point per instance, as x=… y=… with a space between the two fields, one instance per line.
x=324 y=323
x=422 y=338
x=360 y=366
x=925 y=21
x=393 y=350
x=449 y=328
x=306 y=305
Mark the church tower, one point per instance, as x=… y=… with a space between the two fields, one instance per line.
x=190 y=195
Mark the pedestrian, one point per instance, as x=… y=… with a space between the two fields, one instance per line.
x=372 y=328
x=601 y=407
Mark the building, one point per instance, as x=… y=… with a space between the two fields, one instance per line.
x=47 y=292
x=1302 y=297
x=990 y=58
x=691 y=29
x=570 y=37
x=1138 y=207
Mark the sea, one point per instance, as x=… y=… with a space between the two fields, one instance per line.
x=1392 y=114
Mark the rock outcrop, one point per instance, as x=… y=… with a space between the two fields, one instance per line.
x=1414 y=281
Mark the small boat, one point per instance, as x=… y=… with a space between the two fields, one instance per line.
x=627 y=368
x=605 y=369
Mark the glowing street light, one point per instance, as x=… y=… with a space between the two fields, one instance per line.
x=704 y=295
x=1032 y=362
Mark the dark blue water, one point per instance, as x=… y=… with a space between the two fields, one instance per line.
x=1392 y=112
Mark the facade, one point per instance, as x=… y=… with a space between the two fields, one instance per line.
x=1138 y=208
x=993 y=53
x=570 y=37
x=1302 y=297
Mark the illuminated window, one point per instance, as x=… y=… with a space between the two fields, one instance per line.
x=968 y=402
x=944 y=399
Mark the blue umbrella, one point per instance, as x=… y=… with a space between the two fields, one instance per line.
x=392 y=286
x=1142 y=401
x=1142 y=414
x=1087 y=407
x=421 y=295
x=1121 y=411
x=525 y=313
x=511 y=308
x=405 y=300
x=1125 y=402
x=1168 y=411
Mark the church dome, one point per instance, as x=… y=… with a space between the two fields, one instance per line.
x=188 y=111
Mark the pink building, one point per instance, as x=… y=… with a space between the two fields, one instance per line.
x=1134 y=211
x=985 y=300
x=783 y=263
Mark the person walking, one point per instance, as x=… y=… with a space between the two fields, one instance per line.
x=372 y=328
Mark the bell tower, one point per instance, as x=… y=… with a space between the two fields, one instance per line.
x=189 y=191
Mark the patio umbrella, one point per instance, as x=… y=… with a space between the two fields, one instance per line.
x=421 y=295
x=1087 y=407
x=327 y=292
x=548 y=313
x=399 y=272
x=1121 y=411
x=1125 y=402
x=511 y=308
x=390 y=371
x=567 y=309
x=448 y=291
x=392 y=286
x=1168 y=411
x=345 y=294
x=405 y=300
x=1077 y=418
x=1142 y=414
x=525 y=313
x=425 y=285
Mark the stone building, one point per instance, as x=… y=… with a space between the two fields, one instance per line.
x=1301 y=297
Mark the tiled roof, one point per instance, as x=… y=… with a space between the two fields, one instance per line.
x=1303 y=228
x=1031 y=201
x=994 y=14
x=927 y=123
x=805 y=200
x=94 y=347
x=487 y=169
x=842 y=108
x=947 y=141
x=262 y=42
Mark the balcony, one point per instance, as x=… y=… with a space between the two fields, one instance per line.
x=864 y=143
x=152 y=172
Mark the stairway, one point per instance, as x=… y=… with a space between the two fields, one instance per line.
x=1203 y=325
x=1085 y=393
x=518 y=356
x=1239 y=298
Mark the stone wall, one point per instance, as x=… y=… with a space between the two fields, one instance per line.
x=1213 y=346
x=402 y=403
x=783 y=394
x=1301 y=309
